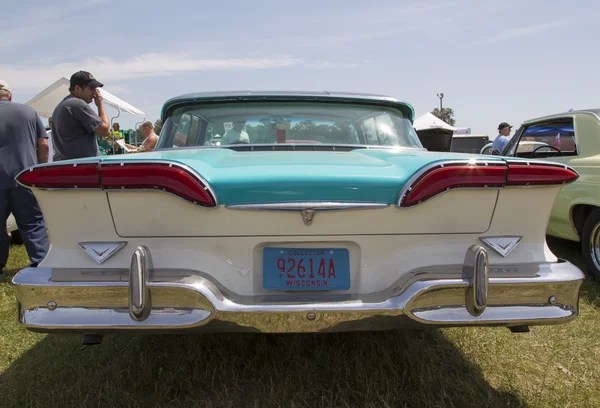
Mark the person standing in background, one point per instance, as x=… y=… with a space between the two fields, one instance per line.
x=75 y=123
x=23 y=143
x=502 y=139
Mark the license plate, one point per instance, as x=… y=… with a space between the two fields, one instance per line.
x=306 y=269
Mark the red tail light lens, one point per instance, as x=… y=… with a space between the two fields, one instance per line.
x=168 y=177
x=449 y=176
x=157 y=176
x=523 y=174
x=62 y=177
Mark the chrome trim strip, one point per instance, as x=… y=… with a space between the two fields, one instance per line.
x=538 y=162
x=308 y=209
x=474 y=162
x=302 y=205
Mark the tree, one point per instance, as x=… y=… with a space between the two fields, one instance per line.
x=447 y=115
x=157 y=126
x=139 y=135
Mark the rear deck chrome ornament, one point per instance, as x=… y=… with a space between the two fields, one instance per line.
x=502 y=245
x=101 y=251
x=308 y=215
x=308 y=209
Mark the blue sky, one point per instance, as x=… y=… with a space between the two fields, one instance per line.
x=494 y=61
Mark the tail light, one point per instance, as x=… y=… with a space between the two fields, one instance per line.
x=481 y=174
x=168 y=177
x=533 y=174
x=448 y=176
x=61 y=177
x=161 y=176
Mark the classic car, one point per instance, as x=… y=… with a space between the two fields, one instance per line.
x=363 y=229
x=571 y=138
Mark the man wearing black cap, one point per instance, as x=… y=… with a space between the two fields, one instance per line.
x=74 y=122
x=502 y=139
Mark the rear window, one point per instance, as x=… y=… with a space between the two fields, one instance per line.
x=547 y=139
x=260 y=123
x=468 y=144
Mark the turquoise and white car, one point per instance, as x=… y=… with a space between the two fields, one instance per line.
x=315 y=212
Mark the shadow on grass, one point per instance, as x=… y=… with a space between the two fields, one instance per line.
x=571 y=251
x=408 y=368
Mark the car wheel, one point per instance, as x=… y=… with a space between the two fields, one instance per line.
x=16 y=238
x=590 y=243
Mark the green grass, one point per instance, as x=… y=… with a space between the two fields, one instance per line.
x=555 y=366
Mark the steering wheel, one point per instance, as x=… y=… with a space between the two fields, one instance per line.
x=543 y=147
x=239 y=142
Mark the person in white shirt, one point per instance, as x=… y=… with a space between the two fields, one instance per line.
x=502 y=139
x=236 y=134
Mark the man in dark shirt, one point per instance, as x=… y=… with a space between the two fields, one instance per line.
x=23 y=143
x=75 y=124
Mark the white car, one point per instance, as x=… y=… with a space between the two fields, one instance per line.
x=328 y=216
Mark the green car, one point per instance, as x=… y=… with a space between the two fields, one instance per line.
x=571 y=138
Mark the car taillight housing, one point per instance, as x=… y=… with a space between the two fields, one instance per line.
x=59 y=177
x=536 y=174
x=477 y=174
x=158 y=176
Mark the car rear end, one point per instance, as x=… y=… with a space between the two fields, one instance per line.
x=295 y=239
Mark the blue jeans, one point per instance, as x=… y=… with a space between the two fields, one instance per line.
x=22 y=203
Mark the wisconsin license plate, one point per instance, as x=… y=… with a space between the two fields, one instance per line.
x=306 y=268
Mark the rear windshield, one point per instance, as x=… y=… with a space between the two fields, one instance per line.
x=468 y=144
x=266 y=123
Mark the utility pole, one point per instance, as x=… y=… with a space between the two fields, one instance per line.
x=441 y=96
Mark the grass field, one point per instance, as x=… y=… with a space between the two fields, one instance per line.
x=555 y=366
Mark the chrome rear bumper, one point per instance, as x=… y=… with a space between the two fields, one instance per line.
x=145 y=299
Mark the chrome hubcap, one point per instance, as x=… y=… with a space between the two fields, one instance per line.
x=595 y=246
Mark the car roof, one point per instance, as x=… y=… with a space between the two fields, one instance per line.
x=225 y=96
x=595 y=111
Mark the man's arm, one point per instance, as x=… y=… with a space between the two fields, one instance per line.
x=42 y=150
x=104 y=129
x=41 y=140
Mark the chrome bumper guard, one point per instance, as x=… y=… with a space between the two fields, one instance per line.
x=149 y=300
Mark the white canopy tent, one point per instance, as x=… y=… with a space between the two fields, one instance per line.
x=45 y=102
x=430 y=121
x=434 y=133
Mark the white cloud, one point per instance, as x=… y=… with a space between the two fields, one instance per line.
x=42 y=21
x=520 y=32
x=37 y=75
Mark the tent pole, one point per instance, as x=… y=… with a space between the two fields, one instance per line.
x=112 y=138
